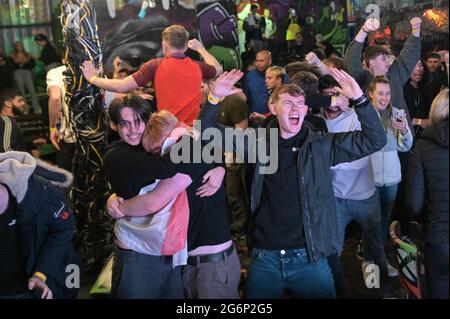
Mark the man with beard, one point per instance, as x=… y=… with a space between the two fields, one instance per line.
x=12 y=104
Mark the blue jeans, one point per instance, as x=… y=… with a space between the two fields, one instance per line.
x=388 y=195
x=368 y=215
x=271 y=271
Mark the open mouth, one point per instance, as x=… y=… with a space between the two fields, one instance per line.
x=294 y=119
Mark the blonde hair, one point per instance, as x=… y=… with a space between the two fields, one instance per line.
x=277 y=71
x=158 y=128
x=439 y=108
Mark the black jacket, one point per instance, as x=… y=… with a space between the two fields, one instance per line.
x=427 y=182
x=318 y=152
x=45 y=220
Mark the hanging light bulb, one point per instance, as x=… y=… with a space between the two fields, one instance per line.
x=26 y=4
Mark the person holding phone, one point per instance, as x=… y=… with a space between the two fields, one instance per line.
x=386 y=163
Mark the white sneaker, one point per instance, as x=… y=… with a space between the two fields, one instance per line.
x=392 y=271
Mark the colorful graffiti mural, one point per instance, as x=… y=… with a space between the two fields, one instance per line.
x=218 y=30
x=132 y=29
x=328 y=18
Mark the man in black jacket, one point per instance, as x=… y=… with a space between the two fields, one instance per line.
x=36 y=229
x=292 y=201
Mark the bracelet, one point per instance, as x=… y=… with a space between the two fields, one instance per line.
x=40 y=276
x=360 y=99
x=53 y=129
x=92 y=79
x=214 y=100
x=364 y=30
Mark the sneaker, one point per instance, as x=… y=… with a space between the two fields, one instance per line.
x=392 y=271
x=359 y=251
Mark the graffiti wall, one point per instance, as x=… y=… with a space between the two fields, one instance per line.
x=132 y=29
x=328 y=18
x=218 y=30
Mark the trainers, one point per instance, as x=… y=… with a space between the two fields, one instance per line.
x=392 y=271
x=359 y=251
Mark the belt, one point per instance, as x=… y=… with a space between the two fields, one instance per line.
x=210 y=258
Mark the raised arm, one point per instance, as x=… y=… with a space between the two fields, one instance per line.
x=197 y=46
x=350 y=146
x=409 y=55
x=314 y=60
x=352 y=56
x=223 y=86
x=122 y=86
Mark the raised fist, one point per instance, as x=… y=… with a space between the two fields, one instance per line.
x=415 y=23
x=371 y=25
x=312 y=59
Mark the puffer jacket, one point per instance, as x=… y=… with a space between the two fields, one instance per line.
x=427 y=182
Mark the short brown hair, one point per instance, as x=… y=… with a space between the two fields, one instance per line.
x=176 y=36
x=158 y=128
x=291 y=89
x=372 y=52
x=336 y=62
x=308 y=81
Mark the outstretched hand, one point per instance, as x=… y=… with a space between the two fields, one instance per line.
x=224 y=84
x=349 y=87
x=89 y=70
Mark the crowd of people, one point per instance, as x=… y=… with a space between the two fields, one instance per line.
x=316 y=143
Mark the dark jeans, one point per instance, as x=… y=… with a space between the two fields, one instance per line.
x=388 y=195
x=271 y=271
x=140 y=276
x=436 y=269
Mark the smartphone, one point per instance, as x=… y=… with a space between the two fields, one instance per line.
x=399 y=115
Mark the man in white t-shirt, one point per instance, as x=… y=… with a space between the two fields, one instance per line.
x=62 y=137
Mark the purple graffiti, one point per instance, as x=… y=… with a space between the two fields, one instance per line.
x=217 y=27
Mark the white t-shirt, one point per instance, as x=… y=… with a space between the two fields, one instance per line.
x=55 y=77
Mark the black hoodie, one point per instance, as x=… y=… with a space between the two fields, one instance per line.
x=427 y=182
